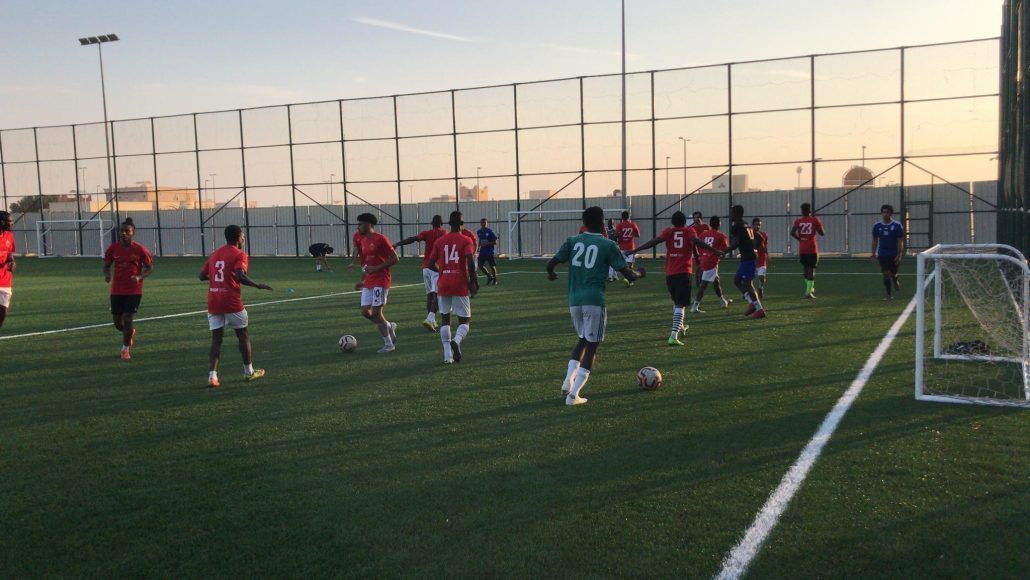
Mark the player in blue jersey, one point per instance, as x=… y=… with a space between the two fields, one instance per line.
x=742 y=238
x=888 y=247
x=487 y=252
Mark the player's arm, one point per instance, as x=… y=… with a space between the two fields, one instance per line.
x=819 y=227
x=876 y=243
x=406 y=241
x=473 y=280
x=10 y=262
x=561 y=257
x=244 y=280
x=355 y=259
x=107 y=271
x=794 y=232
x=645 y=246
x=698 y=242
x=901 y=247
x=203 y=272
x=145 y=270
x=735 y=241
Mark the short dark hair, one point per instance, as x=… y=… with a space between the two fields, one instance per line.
x=367 y=218
x=806 y=208
x=679 y=219
x=329 y=249
x=437 y=220
x=4 y=215
x=128 y=222
x=698 y=215
x=456 y=219
x=738 y=211
x=233 y=233
x=593 y=218
x=888 y=207
x=625 y=215
x=714 y=221
x=481 y=220
x=756 y=220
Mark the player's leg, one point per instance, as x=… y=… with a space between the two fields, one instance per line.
x=216 y=322
x=595 y=318
x=744 y=282
x=446 y=307
x=387 y=329
x=888 y=281
x=894 y=275
x=815 y=264
x=462 y=307
x=760 y=285
x=630 y=260
x=3 y=315
x=240 y=322
x=576 y=312
x=481 y=264
x=675 y=285
x=493 y=269
x=717 y=286
x=429 y=280
x=706 y=278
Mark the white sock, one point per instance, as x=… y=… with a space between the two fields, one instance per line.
x=459 y=335
x=318 y=267
x=124 y=348
x=747 y=297
x=582 y=375
x=445 y=338
x=248 y=369
x=431 y=317
x=677 y=321
x=570 y=375
x=212 y=376
x=387 y=338
x=758 y=305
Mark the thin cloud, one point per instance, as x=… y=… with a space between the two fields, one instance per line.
x=586 y=50
x=405 y=28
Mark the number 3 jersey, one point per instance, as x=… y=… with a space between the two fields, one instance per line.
x=223 y=292
x=679 y=250
x=589 y=256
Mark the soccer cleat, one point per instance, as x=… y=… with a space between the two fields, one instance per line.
x=448 y=361
x=696 y=309
x=725 y=303
x=125 y=355
x=750 y=310
x=572 y=401
x=675 y=342
x=809 y=296
x=213 y=383
x=386 y=348
x=257 y=374
x=456 y=349
x=759 y=314
x=430 y=325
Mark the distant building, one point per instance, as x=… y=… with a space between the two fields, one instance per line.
x=442 y=198
x=540 y=193
x=722 y=183
x=474 y=193
x=142 y=197
x=858 y=176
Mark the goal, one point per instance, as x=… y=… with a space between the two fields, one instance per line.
x=65 y=238
x=539 y=233
x=972 y=325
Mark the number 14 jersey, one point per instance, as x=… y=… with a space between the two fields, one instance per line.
x=589 y=256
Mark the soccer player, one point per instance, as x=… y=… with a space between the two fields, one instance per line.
x=7 y=250
x=888 y=248
x=452 y=257
x=611 y=235
x=627 y=232
x=429 y=276
x=743 y=239
x=700 y=227
x=319 y=251
x=132 y=263
x=487 y=250
x=804 y=231
x=377 y=257
x=762 y=251
x=589 y=256
x=225 y=271
x=709 y=263
x=680 y=243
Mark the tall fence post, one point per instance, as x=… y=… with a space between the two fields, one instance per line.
x=243 y=171
x=343 y=178
x=157 y=190
x=397 y=158
x=200 y=195
x=293 y=182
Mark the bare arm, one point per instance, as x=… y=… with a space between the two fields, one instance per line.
x=472 y=278
x=551 y=265
x=901 y=250
x=645 y=246
x=107 y=271
x=631 y=274
x=245 y=280
x=406 y=241
x=145 y=270
x=794 y=233
x=10 y=262
x=875 y=245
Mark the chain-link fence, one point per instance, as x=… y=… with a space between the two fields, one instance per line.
x=1014 y=201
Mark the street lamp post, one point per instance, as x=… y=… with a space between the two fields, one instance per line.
x=329 y=195
x=212 y=194
x=863 y=157
x=99 y=40
x=477 y=182
x=666 y=175
x=684 y=164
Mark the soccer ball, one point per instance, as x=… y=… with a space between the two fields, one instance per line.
x=649 y=378
x=348 y=343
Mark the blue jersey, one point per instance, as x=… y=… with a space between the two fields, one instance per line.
x=887 y=236
x=486 y=235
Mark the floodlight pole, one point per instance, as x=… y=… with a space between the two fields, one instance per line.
x=100 y=40
x=624 y=194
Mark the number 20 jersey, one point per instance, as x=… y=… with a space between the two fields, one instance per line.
x=589 y=256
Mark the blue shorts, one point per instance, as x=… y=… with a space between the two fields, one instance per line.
x=746 y=270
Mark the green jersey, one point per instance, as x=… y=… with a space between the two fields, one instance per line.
x=589 y=256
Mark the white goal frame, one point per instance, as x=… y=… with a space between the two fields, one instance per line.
x=927 y=260
x=41 y=231
x=515 y=218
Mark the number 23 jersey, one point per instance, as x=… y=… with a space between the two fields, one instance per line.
x=589 y=256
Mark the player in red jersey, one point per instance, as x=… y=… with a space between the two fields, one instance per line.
x=804 y=231
x=452 y=257
x=627 y=233
x=762 y=251
x=377 y=257
x=6 y=264
x=709 y=263
x=680 y=244
x=225 y=271
x=132 y=263
x=429 y=277
x=700 y=227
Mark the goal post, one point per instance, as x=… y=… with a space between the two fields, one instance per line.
x=972 y=325
x=70 y=238
x=539 y=233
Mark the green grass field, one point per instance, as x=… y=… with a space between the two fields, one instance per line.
x=397 y=465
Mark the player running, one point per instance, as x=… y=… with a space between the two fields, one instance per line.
x=452 y=257
x=7 y=250
x=680 y=243
x=132 y=263
x=377 y=257
x=762 y=251
x=225 y=271
x=487 y=250
x=429 y=276
x=319 y=251
x=589 y=255
x=888 y=248
x=613 y=236
x=627 y=232
x=709 y=263
x=700 y=227
x=743 y=239
x=804 y=231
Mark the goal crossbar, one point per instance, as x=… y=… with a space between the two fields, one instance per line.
x=86 y=238
x=515 y=219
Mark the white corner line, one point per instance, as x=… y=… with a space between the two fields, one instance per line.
x=741 y=556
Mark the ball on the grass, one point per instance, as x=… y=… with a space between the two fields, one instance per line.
x=649 y=378
x=348 y=343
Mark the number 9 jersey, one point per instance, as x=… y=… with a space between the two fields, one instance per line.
x=589 y=256
x=223 y=294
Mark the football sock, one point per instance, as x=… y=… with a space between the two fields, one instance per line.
x=445 y=339
x=459 y=335
x=809 y=286
x=431 y=317
x=318 y=268
x=758 y=305
x=747 y=297
x=248 y=369
x=387 y=336
x=124 y=348
x=212 y=376
x=570 y=375
x=887 y=283
x=582 y=375
x=677 y=321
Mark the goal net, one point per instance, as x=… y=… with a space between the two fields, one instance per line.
x=972 y=325
x=63 y=238
x=539 y=233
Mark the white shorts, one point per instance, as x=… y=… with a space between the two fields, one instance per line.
x=761 y=271
x=234 y=320
x=374 y=297
x=5 y=297
x=631 y=258
x=430 y=278
x=456 y=305
x=589 y=322
x=710 y=275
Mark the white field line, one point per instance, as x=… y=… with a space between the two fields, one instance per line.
x=738 y=560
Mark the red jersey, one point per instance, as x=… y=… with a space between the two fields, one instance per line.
x=356 y=246
x=699 y=230
x=6 y=249
x=762 y=251
x=376 y=249
x=451 y=254
x=472 y=236
x=679 y=249
x=128 y=262
x=429 y=237
x=718 y=241
x=807 y=228
x=223 y=289
x=627 y=232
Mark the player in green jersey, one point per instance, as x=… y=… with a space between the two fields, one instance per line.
x=589 y=255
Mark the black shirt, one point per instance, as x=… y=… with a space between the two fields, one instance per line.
x=319 y=249
x=744 y=240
